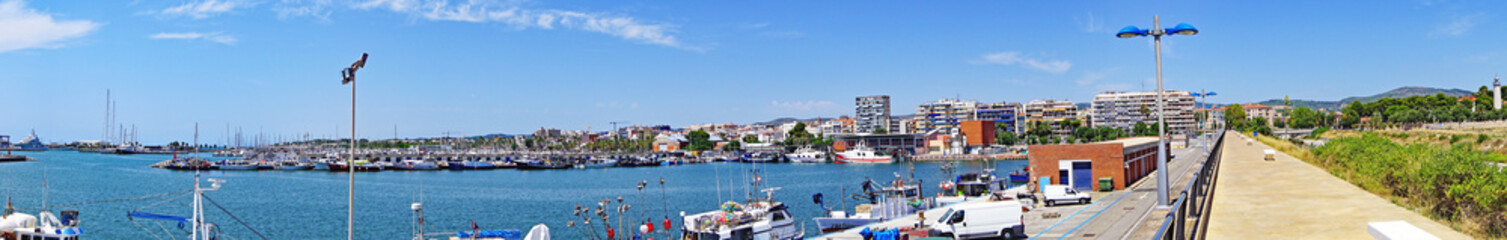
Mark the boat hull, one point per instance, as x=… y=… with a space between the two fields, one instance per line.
x=863 y=160
x=838 y=224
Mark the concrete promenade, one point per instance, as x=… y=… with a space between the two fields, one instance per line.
x=1287 y=198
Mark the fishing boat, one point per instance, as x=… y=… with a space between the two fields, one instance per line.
x=293 y=165
x=1022 y=175
x=413 y=164
x=759 y=218
x=972 y=185
x=761 y=157
x=899 y=199
x=470 y=165
x=863 y=154
x=44 y=225
x=190 y=163
x=640 y=161
x=360 y=166
x=807 y=155
x=234 y=165
x=598 y=162
x=543 y=163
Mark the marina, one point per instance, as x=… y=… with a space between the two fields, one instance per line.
x=494 y=199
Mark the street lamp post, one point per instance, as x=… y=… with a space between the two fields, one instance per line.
x=348 y=75
x=1156 y=33
x=1203 y=98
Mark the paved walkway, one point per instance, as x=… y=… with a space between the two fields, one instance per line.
x=1290 y=199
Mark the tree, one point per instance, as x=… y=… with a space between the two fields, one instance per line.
x=1234 y=116
x=1303 y=117
x=700 y=141
x=881 y=130
x=798 y=135
x=750 y=139
x=1006 y=138
x=733 y=146
x=1140 y=129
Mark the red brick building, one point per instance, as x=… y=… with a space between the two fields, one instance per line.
x=1125 y=160
x=978 y=132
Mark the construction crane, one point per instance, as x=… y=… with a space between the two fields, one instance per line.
x=614 y=127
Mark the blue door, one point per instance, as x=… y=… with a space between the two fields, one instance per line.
x=1083 y=176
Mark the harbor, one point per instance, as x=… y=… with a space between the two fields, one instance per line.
x=494 y=199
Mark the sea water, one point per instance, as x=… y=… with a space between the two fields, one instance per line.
x=312 y=204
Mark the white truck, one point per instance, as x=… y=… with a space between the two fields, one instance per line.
x=992 y=219
x=1054 y=194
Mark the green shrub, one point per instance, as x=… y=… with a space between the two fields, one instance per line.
x=1455 y=184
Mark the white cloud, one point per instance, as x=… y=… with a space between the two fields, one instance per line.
x=213 y=37
x=1090 y=78
x=203 y=9
x=479 y=11
x=287 y=9
x=1090 y=23
x=1457 y=26
x=26 y=28
x=802 y=106
x=1013 y=58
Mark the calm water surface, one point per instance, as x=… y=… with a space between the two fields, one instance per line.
x=312 y=204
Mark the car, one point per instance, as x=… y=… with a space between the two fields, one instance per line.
x=1055 y=194
x=989 y=219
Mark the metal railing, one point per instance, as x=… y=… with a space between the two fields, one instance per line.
x=1193 y=202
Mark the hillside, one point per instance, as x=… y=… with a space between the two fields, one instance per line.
x=1401 y=92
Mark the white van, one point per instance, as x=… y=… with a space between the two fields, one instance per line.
x=983 y=220
x=1063 y=193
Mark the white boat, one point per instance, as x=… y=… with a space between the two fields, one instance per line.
x=887 y=203
x=761 y=218
x=807 y=155
x=42 y=226
x=863 y=154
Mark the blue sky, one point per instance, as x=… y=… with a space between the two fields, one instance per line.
x=477 y=67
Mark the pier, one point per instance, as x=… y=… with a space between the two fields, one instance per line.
x=1287 y=198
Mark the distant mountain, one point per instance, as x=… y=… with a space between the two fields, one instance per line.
x=1407 y=92
x=1401 y=92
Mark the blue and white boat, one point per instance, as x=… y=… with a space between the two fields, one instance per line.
x=412 y=164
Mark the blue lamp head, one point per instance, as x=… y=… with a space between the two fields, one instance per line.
x=1130 y=32
x=1182 y=29
x=1208 y=94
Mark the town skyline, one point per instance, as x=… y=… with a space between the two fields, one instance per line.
x=480 y=67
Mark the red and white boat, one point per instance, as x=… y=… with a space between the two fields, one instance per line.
x=863 y=154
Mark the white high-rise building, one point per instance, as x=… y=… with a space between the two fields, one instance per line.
x=873 y=112
x=1123 y=109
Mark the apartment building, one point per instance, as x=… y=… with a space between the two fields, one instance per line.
x=1124 y=109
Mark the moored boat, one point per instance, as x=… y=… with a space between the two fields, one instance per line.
x=760 y=218
x=863 y=154
x=44 y=225
x=807 y=155
x=416 y=165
